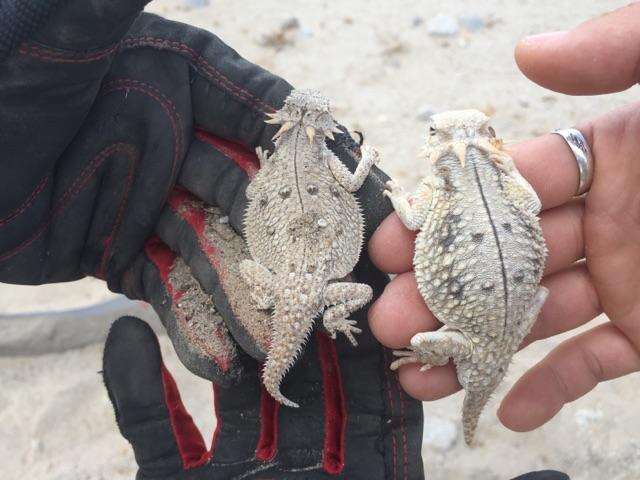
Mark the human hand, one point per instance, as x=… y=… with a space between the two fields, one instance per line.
x=594 y=260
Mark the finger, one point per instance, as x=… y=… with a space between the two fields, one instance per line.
x=432 y=384
x=572 y=301
x=571 y=370
x=147 y=404
x=392 y=245
x=197 y=331
x=599 y=56
x=400 y=313
x=213 y=252
x=563 y=233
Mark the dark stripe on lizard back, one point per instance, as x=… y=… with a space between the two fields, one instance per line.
x=295 y=168
x=495 y=234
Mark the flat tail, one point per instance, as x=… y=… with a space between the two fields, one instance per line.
x=472 y=406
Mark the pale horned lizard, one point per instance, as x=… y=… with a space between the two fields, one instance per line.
x=479 y=256
x=304 y=230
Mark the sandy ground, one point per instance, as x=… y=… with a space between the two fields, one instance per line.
x=383 y=70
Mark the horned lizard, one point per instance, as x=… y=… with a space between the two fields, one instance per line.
x=304 y=230
x=479 y=256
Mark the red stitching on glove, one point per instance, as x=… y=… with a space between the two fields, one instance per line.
x=218 y=76
x=239 y=154
x=115 y=228
x=76 y=187
x=26 y=204
x=335 y=407
x=168 y=107
x=394 y=451
x=43 y=52
x=191 y=447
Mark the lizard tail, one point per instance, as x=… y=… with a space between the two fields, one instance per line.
x=472 y=407
x=288 y=337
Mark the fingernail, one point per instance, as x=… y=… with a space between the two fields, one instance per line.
x=543 y=37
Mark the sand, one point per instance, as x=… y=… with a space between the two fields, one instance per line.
x=384 y=72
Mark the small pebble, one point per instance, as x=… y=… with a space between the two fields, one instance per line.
x=587 y=416
x=417 y=21
x=443 y=25
x=196 y=3
x=290 y=24
x=472 y=23
x=425 y=112
x=440 y=433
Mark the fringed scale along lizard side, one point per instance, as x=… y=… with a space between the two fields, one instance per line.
x=479 y=256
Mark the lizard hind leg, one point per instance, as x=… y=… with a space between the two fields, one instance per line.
x=434 y=349
x=342 y=299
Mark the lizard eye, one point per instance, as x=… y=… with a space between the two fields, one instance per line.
x=492 y=132
x=432 y=131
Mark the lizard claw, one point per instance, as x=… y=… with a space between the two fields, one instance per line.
x=347 y=327
x=392 y=189
x=409 y=356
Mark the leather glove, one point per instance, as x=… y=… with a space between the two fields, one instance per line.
x=125 y=106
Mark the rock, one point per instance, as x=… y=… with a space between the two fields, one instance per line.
x=196 y=3
x=472 y=23
x=587 y=416
x=443 y=25
x=417 y=21
x=425 y=112
x=290 y=24
x=440 y=433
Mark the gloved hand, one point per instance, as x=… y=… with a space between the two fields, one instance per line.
x=112 y=99
x=168 y=445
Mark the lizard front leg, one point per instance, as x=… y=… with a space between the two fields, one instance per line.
x=412 y=217
x=352 y=181
x=434 y=349
x=261 y=282
x=342 y=299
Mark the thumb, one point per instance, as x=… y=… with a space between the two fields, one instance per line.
x=599 y=56
x=147 y=404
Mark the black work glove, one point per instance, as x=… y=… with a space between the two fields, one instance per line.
x=99 y=113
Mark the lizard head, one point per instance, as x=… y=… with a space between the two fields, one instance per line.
x=308 y=110
x=457 y=129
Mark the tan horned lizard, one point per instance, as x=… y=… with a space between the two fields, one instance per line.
x=304 y=230
x=479 y=256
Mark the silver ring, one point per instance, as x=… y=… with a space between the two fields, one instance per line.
x=581 y=151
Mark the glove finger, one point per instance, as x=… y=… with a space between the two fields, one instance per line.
x=217 y=171
x=213 y=251
x=146 y=402
x=197 y=331
x=543 y=475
